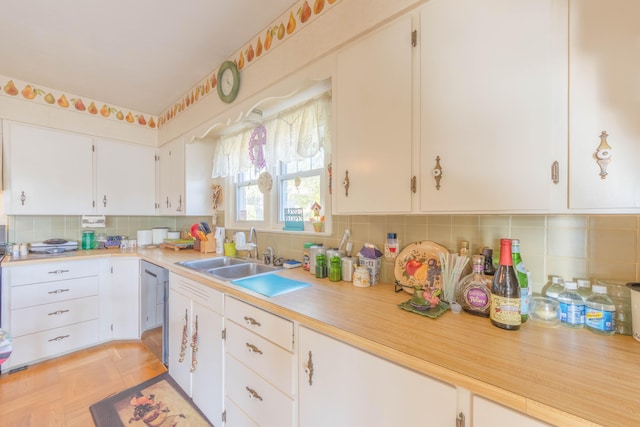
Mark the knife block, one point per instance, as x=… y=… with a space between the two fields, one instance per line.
x=205 y=247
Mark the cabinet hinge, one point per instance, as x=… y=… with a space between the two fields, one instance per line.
x=224 y=334
x=111 y=269
x=224 y=416
x=94 y=203
x=93 y=148
x=111 y=327
x=414 y=38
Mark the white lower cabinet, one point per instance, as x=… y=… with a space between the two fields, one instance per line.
x=489 y=414
x=125 y=298
x=259 y=384
x=195 y=343
x=339 y=385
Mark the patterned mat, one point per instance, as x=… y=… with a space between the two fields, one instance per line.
x=158 y=402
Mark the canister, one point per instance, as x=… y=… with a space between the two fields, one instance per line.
x=88 y=238
x=313 y=252
x=145 y=237
x=159 y=234
x=361 y=277
x=348 y=265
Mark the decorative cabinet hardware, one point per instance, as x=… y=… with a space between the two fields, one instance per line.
x=345 y=183
x=460 y=420
x=23 y=198
x=253 y=349
x=104 y=200
x=179 y=208
x=55 y=313
x=414 y=184
x=414 y=38
x=253 y=394
x=603 y=154
x=58 y=291
x=437 y=173
x=58 y=271
x=251 y=321
x=555 y=172
x=167 y=202
x=194 y=347
x=183 y=344
x=59 y=338
x=308 y=369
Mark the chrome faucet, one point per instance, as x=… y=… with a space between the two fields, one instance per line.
x=252 y=244
x=267 y=256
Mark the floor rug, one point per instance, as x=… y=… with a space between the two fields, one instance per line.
x=158 y=402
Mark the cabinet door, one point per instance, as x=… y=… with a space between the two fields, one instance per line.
x=198 y=161
x=489 y=414
x=604 y=96
x=342 y=386
x=179 y=338
x=206 y=387
x=488 y=96
x=50 y=172
x=125 y=297
x=125 y=175
x=374 y=123
x=172 y=178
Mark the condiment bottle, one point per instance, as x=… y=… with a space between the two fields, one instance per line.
x=505 y=292
x=489 y=269
x=335 y=269
x=473 y=294
x=600 y=312
x=523 y=279
x=571 y=306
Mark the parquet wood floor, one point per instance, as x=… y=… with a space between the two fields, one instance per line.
x=58 y=392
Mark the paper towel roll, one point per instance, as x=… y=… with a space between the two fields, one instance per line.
x=145 y=237
x=159 y=234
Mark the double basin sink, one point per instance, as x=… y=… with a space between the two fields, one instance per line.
x=228 y=268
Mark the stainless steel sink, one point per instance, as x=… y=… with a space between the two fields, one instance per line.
x=228 y=268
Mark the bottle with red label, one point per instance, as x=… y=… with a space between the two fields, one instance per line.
x=505 y=292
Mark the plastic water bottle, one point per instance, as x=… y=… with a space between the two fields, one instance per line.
x=584 y=288
x=553 y=288
x=600 y=312
x=572 y=310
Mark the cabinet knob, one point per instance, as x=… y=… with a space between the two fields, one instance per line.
x=253 y=394
x=460 y=420
x=603 y=154
x=104 y=200
x=23 y=198
x=185 y=339
x=346 y=183
x=308 y=369
x=58 y=291
x=57 y=312
x=251 y=321
x=59 y=338
x=252 y=348
x=437 y=173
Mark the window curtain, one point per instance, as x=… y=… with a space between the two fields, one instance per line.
x=297 y=133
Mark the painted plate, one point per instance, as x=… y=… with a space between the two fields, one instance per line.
x=418 y=264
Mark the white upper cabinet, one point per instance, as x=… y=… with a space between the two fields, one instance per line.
x=490 y=89
x=604 y=96
x=374 y=122
x=125 y=178
x=172 y=178
x=48 y=172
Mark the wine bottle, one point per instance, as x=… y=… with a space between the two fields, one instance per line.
x=523 y=280
x=505 y=292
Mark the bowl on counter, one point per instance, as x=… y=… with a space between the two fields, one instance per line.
x=544 y=311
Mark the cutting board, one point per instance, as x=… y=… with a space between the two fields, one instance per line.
x=270 y=285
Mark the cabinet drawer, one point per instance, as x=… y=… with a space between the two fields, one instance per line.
x=33 y=347
x=51 y=271
x=265 y=358
x=235 y=416
x=256 y=397
x=263 y=323
x=49 y=316
x=50 y=292
x=209 y=297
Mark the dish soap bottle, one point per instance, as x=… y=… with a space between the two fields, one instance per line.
x=473 y=292
x=505 y=292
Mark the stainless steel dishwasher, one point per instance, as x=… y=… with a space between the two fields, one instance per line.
x=154 y=289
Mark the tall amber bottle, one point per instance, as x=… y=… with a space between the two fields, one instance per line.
x=505 y=292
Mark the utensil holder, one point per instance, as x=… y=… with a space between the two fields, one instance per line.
x=205 y=246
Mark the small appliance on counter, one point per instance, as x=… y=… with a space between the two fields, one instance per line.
x=53 y=246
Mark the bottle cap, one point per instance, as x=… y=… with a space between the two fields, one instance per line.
x=487 y=252
x=584 y=283
x=599 y=289
x=571 y=285
x=392 y=236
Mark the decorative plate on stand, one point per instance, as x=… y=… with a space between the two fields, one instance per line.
x=418 y=265
x=265 y=182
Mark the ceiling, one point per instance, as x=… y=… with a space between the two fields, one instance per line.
x=139 y=54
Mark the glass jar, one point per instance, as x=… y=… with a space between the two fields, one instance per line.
x=335 y=269
x=321 y=266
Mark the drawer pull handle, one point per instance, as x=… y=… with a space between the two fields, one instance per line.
x=58 y=291
x=55 y=313
x=308 y=369
x=253 y=349
x=251 y=321
x=253 y=394
x=194 y=347
x=58 y=271
x=183 y=344
x=59 y=338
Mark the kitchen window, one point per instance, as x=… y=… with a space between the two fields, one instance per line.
x=276 y=163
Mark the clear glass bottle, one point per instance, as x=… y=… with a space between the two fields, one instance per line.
x=584 y=288
x=600 y=312
x=553 y=288
x=472 y=293
x=523 y=279
x=572 y=309
x=335 y=269
x=489 y=268
x=505 y=292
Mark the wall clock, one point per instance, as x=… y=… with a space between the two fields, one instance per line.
x=228 y=81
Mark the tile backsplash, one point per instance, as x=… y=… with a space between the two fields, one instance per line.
x=573 y=246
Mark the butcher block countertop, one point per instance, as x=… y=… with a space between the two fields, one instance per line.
x=561 y=376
